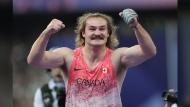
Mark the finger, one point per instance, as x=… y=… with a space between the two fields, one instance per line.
x=62 y=25
x=120 y=14
x=59 y=21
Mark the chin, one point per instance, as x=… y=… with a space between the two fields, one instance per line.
x=98 y=43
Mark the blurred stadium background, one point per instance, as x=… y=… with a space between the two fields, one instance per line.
x=143 y=84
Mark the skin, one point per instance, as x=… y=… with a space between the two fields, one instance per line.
x=95 y=34
x=57 y=74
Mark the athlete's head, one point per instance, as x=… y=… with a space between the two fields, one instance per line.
x=111 y=40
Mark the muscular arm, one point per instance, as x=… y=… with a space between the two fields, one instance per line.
x=139 y=53
x=38 y=57
x=145 y=48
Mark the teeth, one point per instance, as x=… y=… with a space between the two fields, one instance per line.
x=97 y=38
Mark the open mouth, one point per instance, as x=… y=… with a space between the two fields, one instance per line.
x=97 y=38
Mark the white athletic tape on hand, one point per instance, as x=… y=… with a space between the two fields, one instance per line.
x=129 y=15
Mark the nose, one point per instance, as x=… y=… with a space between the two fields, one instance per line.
x=97 y=32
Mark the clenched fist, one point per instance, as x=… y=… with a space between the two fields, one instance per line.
x=130 y=17
x=54 y=26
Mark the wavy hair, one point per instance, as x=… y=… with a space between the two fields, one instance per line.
x=112 y=41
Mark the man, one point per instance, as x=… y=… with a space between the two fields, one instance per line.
x=52 y=94
x=94 y=71
x=168 y=103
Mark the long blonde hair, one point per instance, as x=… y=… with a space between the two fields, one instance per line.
x=112 y=41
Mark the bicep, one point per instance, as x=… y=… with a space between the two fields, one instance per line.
x=52 y=59
x=133 y=56
x=56 y=58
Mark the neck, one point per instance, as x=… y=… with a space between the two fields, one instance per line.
x=94 y=54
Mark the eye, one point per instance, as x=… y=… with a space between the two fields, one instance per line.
x=92 y=29
x=101 y=29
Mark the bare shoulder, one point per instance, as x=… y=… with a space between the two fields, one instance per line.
x=64 y=51
x=117 y=55
x=67 y=54
x=119 y=51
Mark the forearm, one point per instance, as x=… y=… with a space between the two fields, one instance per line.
x=144 y=40
x=37 y=51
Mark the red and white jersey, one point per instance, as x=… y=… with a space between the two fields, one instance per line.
x=92 y=88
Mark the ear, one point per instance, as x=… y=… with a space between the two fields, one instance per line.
x=83 y=34
x=108 y=34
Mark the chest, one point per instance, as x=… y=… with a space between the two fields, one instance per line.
x=102 y=76
x=101 y=70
